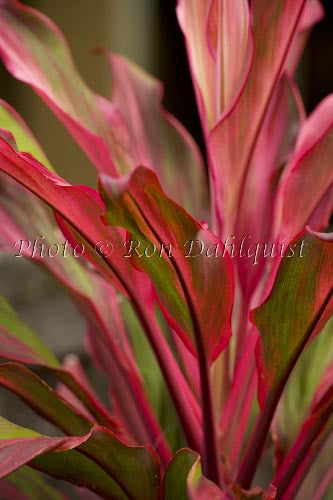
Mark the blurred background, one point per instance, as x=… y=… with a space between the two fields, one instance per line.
x=147 y=32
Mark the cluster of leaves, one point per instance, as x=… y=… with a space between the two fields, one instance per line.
x=183 y=342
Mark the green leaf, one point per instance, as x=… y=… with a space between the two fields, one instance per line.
x=296 y=309
x=183 y=479
x=75 y=468
x=19 y=342
x=32 y=485
x=304 y=380
x=11 y=120
x=299 y=304
x=175 y=478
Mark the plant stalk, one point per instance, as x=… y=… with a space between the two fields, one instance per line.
x=259 y=435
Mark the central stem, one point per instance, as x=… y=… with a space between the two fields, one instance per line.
x=210 y=459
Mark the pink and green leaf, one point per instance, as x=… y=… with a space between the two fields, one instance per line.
x=109 y=474
x=19 y=446
x=114 y=470
x=195 y=292
x=18 y=343
x=286 y=324
x=183 y=479
x=283 y=338
x=102 y=447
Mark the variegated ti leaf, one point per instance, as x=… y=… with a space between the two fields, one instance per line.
x=19 y=343
x=308 y=274
x=233 y=140
x=108 y=475
x=183 y=479
x=79 y=210
x=309 y=172
x=27 y=484
x=19 y=445
x=111 y=133
x=157 y=139
x=286 y=324
x=99 y=444
x=218 y=41
x=195 y=291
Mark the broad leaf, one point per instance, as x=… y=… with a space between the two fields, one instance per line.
x=233 y=140
x=119 y=471
x=19 y=343
x=157 y=139
x=217 y=35
x=19 y=445
x=196 y=291
x=287 y=323
x=309 y=172
x=175 y=477
x=35 y=51
x=102 y=447
x=183 y=479
x=28 y=484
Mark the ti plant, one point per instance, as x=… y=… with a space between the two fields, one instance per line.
x=206 y=287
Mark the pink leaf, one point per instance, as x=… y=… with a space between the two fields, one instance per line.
x=218 y=46
x=35 y=51
x=233 y=140
x=157 y=139
x=310 y=172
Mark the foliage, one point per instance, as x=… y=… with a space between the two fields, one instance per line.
x=195 y=299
